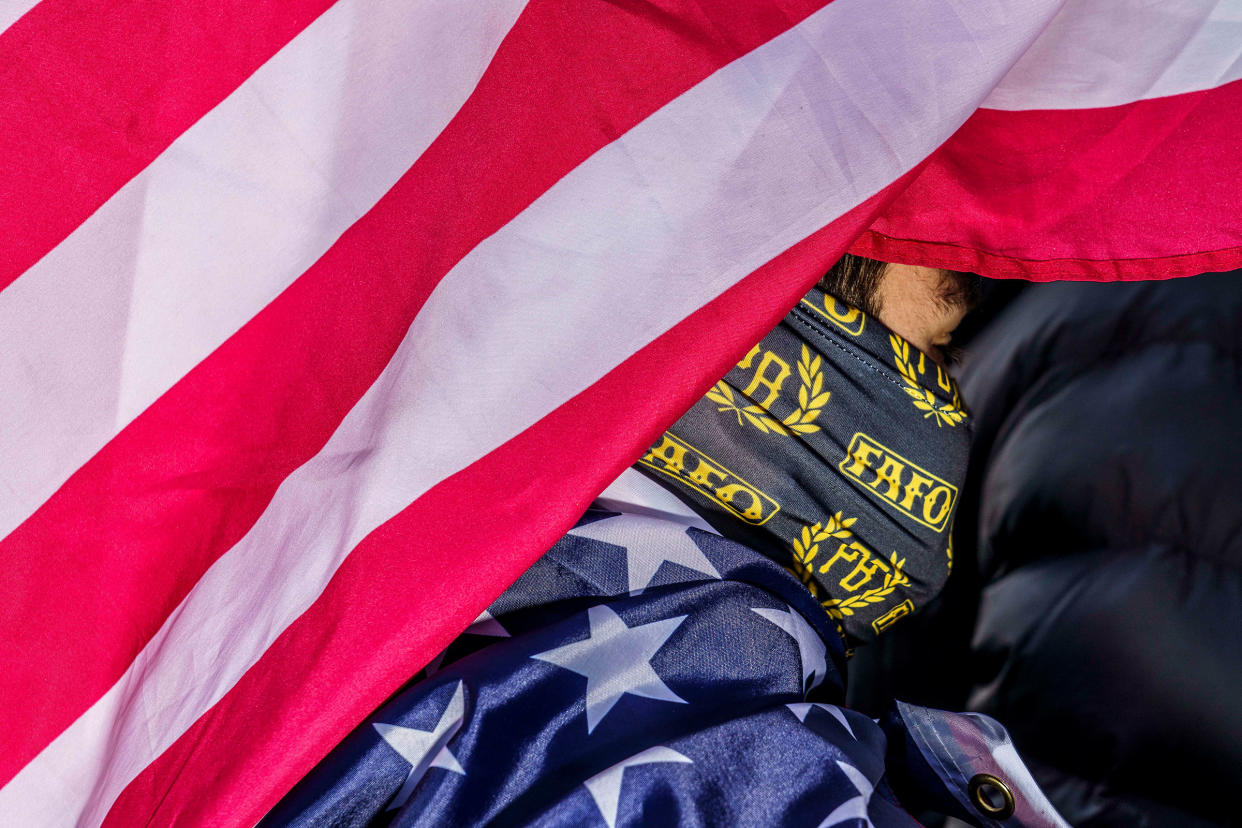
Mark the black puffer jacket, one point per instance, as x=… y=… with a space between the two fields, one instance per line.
x=1099 y=550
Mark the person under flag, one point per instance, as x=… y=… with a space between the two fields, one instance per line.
x=686 y=642
x=322 y=321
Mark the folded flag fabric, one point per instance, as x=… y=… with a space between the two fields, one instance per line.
x=290 y=290
x=644 y=672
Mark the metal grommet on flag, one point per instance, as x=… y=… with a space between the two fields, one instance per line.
x=985 y=789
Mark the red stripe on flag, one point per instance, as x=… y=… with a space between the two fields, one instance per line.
x=404 y=593
x=90 y=93
x=1151 y=189
x=189 y=476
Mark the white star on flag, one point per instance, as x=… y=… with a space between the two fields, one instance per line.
x=643 y=558
x=800 y=709
x=485 y=624
x=605 y=786
x=426 y=749
x=855 y=807
x=810 y=648
x=616 y=660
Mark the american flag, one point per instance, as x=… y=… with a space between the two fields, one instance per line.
x=291 y=291
x=643 y=672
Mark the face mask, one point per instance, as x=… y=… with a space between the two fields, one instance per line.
x=836 y=448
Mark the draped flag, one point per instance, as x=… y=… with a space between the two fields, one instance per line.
x=320 y=321
x=635 y=628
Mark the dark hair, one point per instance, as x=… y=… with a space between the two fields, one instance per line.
x=960 y=289
x=855 y=280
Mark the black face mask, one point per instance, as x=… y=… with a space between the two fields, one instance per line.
x=836 y=448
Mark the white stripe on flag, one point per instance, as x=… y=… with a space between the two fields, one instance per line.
x=728 y=175
x=12 y=10
x=220 y=223
x=262 y=186
x=1106 y=54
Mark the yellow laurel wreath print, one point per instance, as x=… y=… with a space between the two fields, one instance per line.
x=806 y=546
x=949 y=551
x=811 y=401
x=950 y=413
x=840 y=607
